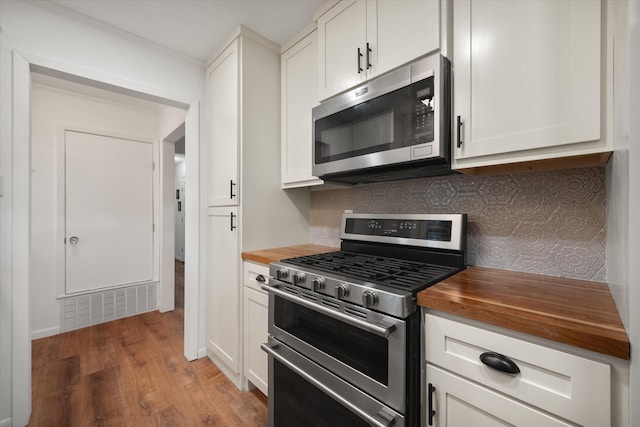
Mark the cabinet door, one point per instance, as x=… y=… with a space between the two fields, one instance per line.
x=399 y=31
x=526 y=75
x=299 y=96
x=341 y=32
x=256 y=319
x=223 y=287
x=458 y=402
x=223 y=89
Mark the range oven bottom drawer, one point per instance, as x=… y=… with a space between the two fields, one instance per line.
x=301 y=392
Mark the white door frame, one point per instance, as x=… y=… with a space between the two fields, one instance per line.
x=23 y=64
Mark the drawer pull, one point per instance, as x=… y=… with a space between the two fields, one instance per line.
x=499 y=362
x=431 y=412
x=260 y=278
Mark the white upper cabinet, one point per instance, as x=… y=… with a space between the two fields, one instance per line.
x=359 y=39
x=299 y=95
x=401 y=30
x=527 y=80
x=223 y=89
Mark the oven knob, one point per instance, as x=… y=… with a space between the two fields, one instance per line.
x=282 y=274
x=369 y=299
x=342 y=290
x=299 y=278
x=318 y=284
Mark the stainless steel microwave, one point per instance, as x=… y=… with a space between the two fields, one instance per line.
x=396 y=126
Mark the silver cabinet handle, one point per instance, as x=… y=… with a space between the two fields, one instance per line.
x=74 y=240
x=270 y=348
x=382 y=330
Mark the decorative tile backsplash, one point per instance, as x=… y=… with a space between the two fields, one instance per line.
x=549 y=222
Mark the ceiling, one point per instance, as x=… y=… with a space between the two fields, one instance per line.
x=194 y=29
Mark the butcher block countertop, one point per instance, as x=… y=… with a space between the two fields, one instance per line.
x=569 y=311
x=266 y=256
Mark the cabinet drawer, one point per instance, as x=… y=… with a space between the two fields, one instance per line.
x=251 y=271
x=572 y=387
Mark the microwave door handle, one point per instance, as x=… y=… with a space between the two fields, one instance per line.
x=382 y=330
x=271 y=349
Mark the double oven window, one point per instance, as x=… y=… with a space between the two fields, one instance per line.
x=363 y=351
x=298 y=403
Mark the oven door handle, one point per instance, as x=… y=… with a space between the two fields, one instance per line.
x=382 y=330
x=375 y=420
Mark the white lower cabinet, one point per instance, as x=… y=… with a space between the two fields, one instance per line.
x=223 y=293
x=256 y=303
x=552 y=387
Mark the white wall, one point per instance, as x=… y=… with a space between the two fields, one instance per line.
x=623 y=198
x=33 y=36
x=51 y=109
x=5 y=240
x=634 y=209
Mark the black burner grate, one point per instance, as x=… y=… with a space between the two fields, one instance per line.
x=406 y=275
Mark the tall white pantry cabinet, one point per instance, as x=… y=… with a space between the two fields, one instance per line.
x=247 y=208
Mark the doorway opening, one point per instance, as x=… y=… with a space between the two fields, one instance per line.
x=179 y=179
x=20 y=68
x=170 y=132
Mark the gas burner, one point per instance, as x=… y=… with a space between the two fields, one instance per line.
x=383 y=262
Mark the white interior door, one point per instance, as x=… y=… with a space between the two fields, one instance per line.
x=109 y=211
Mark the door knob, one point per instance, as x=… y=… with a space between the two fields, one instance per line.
x=73 y=240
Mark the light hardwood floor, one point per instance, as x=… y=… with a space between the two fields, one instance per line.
x=132 y=372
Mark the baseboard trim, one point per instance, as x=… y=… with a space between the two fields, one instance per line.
x=202 y=352
x=43 y=333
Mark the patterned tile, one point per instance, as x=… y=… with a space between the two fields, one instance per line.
x=533 y=240
x=498 y=252
x=549 y=222
x=494 y=222
x=440 y=193
x=567 y=187
x=580 y=223
x=577 y=259
x=498 y=190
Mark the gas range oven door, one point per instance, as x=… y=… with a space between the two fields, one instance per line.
x=302 y=393
x=376 y=353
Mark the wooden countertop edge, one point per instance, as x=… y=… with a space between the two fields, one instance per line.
x=610 y=339
x=267 y=256
x=612 y=345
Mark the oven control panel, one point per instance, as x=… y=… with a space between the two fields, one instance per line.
x=438 y=231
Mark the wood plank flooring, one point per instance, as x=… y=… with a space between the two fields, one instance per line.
x=179 y=284
x=132 y=372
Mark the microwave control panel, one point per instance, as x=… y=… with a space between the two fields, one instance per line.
x=423 y=110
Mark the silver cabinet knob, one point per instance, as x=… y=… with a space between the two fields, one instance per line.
x=74 y=240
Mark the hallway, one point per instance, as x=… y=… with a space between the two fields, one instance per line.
x=132 y=372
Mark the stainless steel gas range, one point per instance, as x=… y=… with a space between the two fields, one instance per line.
x=344 y=328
